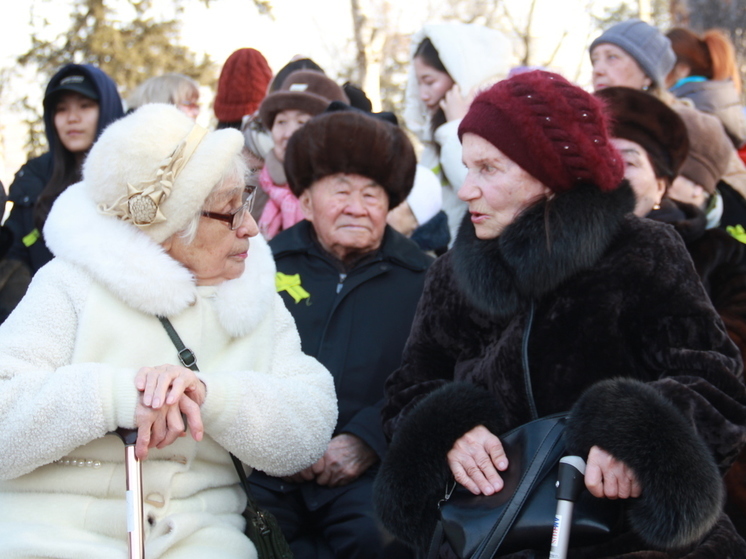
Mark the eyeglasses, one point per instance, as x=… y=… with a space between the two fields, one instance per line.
x=237 y=216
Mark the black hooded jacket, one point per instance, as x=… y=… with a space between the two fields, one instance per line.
x=28 y=243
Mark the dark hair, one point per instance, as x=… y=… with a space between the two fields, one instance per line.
x=429 y=55
x=235 y=124
x=66 y=170
x=289 y=68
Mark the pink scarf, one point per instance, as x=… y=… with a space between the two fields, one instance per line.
x=282 y=210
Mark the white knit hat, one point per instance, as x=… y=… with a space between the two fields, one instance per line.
x=155 y=168
x=426 y=198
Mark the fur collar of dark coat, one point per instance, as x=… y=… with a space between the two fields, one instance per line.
x=546 y=244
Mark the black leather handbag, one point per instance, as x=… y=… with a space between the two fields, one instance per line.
x=521 y=516
x=262 y=527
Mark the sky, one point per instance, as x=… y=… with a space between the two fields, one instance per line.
x=320 y=29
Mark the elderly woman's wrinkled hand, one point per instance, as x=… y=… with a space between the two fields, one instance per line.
x=605 y=476
x=165 y=384
x=170 y=395
x=475 y=460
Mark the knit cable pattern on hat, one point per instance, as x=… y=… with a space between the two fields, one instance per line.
x=554 y=130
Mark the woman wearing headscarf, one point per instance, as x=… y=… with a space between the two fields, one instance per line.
x=158 y=228
x=555 y=298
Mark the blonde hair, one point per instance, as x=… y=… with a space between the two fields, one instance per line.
x=168 y=88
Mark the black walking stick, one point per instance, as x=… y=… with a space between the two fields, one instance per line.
x=133 y=470
x=570 y=483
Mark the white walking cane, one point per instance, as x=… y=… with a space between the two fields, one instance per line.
x=570 y=483
x=133 y=471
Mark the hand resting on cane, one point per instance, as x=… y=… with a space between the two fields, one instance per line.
x=168 y=391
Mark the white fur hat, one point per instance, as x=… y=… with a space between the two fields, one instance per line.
x=426 y=198
x=155 y=168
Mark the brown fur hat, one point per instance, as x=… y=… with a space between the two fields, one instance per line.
x=354 y=143
x=642 y=118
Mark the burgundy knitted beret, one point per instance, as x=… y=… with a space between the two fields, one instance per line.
x=351 y=142
x=242 y=85
x=554 y=130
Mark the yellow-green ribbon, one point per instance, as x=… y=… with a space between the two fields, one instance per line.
x=31 y=238
x=292 y=285
x=737 y=232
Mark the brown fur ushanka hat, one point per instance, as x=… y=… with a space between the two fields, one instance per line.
x=353 y=143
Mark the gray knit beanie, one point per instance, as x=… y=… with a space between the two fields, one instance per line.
x=650 y=48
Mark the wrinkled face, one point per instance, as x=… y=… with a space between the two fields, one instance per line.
x=348 y=213
x=684 y=190
x=433 y=84
x=76 y=120
x=216 y=254
x=638 y=170
x=286 y=122
x=496 y=188
x=612 y=66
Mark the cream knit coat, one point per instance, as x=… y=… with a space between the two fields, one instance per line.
x=68 y=357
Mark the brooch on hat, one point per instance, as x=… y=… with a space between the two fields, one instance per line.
x=141 y=204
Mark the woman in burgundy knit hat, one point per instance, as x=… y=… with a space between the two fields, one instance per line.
x=555 y=297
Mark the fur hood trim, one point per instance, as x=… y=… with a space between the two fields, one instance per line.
x=547 y=244
x=139 y=271
x=414 y=475
x=682 y=493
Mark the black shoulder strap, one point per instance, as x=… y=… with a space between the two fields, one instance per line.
x=189 y=360
x=186 y=355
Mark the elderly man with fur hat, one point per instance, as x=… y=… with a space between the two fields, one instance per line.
x=352 y=284
x=555 y=298
x=157 y=235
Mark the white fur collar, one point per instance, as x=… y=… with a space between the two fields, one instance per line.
x=138 y=271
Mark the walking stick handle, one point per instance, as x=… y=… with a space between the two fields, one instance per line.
x=570 y=483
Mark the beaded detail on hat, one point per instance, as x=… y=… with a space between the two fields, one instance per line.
x=141 y=204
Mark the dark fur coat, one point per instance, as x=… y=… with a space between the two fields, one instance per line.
x=622 y=334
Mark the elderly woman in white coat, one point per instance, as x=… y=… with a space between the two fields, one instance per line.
x=159 y=227
x=450 y=63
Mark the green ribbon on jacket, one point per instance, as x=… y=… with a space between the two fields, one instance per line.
x=291 y=284
x=737 y=232
x=31 y=238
